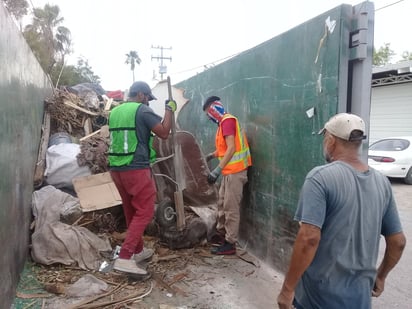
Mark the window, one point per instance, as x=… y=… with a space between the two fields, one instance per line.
x=390 y=145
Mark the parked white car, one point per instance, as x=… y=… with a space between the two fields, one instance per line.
x=392 y=156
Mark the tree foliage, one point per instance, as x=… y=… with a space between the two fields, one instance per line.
x=72 y=75
x=51 y=44
x=85 y=71
x=17 y=8
x=406 y=55
x=383 y=55
x=49 y=41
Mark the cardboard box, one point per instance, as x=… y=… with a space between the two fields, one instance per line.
x=96 y=192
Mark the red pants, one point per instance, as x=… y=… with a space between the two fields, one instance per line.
x=138 y=192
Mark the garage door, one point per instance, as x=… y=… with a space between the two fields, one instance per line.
x=391 y=111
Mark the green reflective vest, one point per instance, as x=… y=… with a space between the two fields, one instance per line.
x=123 y=139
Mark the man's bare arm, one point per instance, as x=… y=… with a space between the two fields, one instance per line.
x=304 y=250
x=394 y=247
x=162 y=129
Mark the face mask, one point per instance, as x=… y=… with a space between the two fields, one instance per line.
x=216 y=112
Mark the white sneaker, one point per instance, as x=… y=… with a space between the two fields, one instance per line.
x=128 y=266
x=145 y=254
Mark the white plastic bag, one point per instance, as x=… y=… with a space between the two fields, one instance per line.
x=62 y=166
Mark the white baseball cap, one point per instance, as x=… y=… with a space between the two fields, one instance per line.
x=342 y=125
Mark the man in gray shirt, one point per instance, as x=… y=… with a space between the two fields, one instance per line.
x=131 y=125
x=343 y=209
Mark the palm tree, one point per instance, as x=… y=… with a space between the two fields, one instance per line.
x=49 y=41
x=132 y=58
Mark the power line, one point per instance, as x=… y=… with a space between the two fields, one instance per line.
x=208 y=64
x=386 y=6
x=213 y=62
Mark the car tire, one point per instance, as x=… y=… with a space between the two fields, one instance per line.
x=165 y=214
x=408 y=177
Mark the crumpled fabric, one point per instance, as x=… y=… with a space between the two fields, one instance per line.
x=57 y=242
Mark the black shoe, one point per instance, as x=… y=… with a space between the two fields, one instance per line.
x=226 y=249
x=217 y=240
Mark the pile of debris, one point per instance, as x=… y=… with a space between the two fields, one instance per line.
x=78 y=219
x=74 y=143
x=75 y=114
x=93 y=151
x=73 y=160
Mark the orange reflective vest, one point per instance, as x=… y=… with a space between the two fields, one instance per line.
x=241 y=159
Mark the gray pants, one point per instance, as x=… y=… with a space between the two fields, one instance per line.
x=228 y=205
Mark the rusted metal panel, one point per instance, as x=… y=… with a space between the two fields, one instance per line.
x=197 y=193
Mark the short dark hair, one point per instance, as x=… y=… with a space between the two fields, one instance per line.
x=209 y=101
x=357 y=135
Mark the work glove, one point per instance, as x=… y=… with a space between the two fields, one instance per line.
x=213 y=175
x=171 y=105
x=210 y=156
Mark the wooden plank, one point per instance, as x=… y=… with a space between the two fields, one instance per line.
x=89 y=135
x=41 y=157
x=71 y=104
x=108 y=104
x=180 y=213
x=88 y=126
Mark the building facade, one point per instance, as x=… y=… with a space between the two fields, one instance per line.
x=391 y=101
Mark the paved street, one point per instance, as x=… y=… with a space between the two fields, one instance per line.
x=232 y=283
x=398 y=286
x=398 y=289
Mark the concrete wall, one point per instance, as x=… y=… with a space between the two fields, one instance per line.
x=23 y=87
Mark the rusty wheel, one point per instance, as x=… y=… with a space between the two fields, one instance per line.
x=165 y=213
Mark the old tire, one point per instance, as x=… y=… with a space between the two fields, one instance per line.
x=408 y=177
x=166 y=214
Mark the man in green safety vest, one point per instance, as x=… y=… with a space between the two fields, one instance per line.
x=130 y=153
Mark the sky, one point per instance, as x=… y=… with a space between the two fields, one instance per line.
x=195 y=33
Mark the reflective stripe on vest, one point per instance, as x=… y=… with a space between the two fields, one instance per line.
x=241 y=159
x=123 y=139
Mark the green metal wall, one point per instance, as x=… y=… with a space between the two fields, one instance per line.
x=23 y=87
x=270 y=88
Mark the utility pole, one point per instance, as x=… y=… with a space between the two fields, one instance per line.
x=162 y=67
